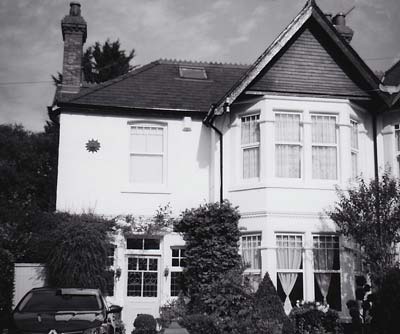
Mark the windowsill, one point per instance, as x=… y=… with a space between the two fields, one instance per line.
x=145 y=189
x=286 y=183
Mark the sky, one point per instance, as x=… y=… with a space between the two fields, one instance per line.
x=233 y=31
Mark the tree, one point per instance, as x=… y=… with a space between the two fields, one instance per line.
x=102 y=62
x=369 y=213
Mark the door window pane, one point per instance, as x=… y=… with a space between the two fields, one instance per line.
x=142 y=277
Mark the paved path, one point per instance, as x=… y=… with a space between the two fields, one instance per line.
x=174 y=328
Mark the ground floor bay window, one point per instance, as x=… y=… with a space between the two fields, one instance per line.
x=289 y=256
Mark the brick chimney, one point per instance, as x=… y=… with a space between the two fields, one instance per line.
x=339 y=22
x=74 y=31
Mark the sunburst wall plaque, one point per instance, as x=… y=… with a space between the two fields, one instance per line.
x=92 y=145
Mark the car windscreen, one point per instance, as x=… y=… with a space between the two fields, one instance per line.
x=54 y=300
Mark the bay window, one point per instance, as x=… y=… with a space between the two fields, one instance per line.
x=147 y=154
x=327 y=270
x=287 y=145
x=250 y=146
x=289 y=255
x=324 y=147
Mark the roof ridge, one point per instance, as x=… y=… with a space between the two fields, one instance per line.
x=199 y=62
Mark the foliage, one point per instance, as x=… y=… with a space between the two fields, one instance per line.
x=173 y=310
x=6 y=285
x=386 y=304
x=270 y=307
x=102 y=62
x=79 y=255
x=211 y=234
x=159 y=223
x=369 y=213
x=312 y=318
x=144 y=324
x=28 y=174
x=200 y=324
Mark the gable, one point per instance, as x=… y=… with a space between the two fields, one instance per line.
x=310 y=64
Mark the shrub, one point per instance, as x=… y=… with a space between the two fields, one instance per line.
x=174 y=310
x=144 y=324
x=6 y=285
x=311 y=318
x=200 y=324
x=80 y=256
x=211 y=234
x=386 y=304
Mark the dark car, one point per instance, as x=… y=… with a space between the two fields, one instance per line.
x=63 y=310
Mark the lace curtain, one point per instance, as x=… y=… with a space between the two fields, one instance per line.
x=324 y=256
x=289 y=256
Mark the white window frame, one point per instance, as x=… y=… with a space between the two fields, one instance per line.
x=299 y=271
x=290 y=143
x=138 y=270
x=354 y=125
x=176 y=269
x=258 y=237
x=243 y=147
x=335 y=145
x=163 y=154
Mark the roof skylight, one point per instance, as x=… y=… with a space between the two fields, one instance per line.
x=198 y=73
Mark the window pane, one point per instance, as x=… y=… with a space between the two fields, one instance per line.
x=354 y=135
x=153 y=264
x=176 y=283
x=154 y=140
x=251 y=255
x=134 y=284
x=132 y=263
x=150 y=284
x=146 y=168
x=397 y=139
x=250 y=129
x=175 y=252
x=288 y=161
x=354 y=165
x=151 y=243
x=251 y=163
x=133 y=243
x=289 y=251
x=324 y=162
x=323 y=129
x=287 y=127
x=138 y=140
x=142 y=264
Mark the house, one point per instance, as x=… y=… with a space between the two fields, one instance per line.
x=274 y=138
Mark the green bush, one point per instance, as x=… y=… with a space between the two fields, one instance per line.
x=310 y=318
x=385 y=310
x=270 y=307
x=174 y=310
x=6 y=285
x=80 y=256
x=211 y=234
x=200 y=324
x=144 y=324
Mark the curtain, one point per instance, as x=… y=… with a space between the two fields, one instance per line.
x=250 y=139
x=287 y=148
x=251 y=251
x=251 y=162
x=288 y=258
x=323 y=260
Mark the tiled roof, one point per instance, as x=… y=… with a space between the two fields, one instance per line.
x=392 y=76
x=158 y=85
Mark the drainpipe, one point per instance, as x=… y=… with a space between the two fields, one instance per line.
x=209 y=122
x=221 y=162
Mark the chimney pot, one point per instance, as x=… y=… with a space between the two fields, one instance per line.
x=75 y=9
x=339 y=22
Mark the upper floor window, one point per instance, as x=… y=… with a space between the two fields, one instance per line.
x=397 y=146
x=354 y=149
x=324 y=147
x=250 y=145
x=250 y=247
x=147 y=154
x=287 y=145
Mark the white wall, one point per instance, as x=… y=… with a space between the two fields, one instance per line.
x=26 y=277
x=99 y=182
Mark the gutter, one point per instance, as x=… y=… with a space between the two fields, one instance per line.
x=374 y=134
x=209 y=123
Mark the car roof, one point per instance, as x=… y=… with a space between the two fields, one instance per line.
x=72 y=291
